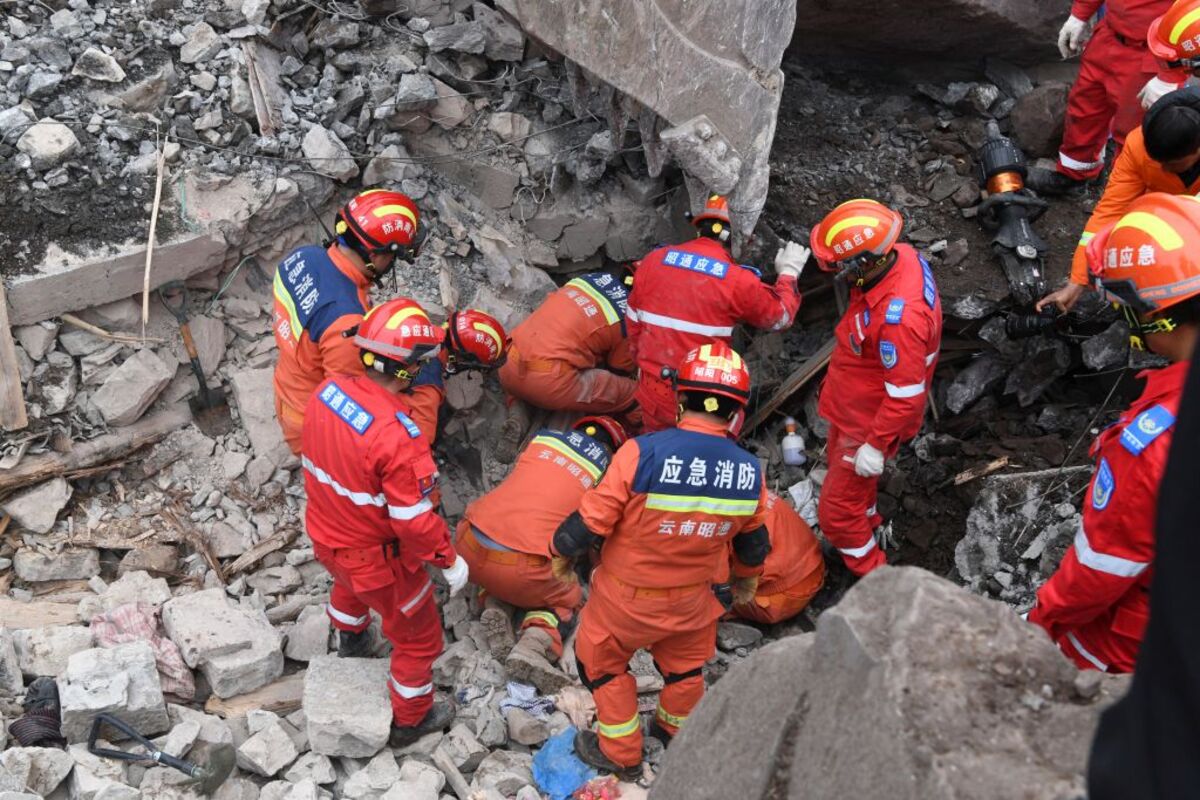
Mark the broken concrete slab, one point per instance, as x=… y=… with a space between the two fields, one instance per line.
x=37 y=340
x=97 y=65
x=308 y=637
x=268 y=751
x=46 y=651
x=123 y=679
x=132 y=587
x=65 y=282
x=47 y=143
x=380 y=773
x=37 y=508
x=347 y=706
x=254 y=392
x=132 y=387
x=38 y=769
x=328 y=154
x=11 y=682
x=70 y=564
x=237 y=649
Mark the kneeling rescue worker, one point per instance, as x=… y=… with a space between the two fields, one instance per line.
x=321 y=293
x=1096 y=605
x=369 y=474
x=886 y=351
x=668 y=511
x=505 y=538
x=690 y=294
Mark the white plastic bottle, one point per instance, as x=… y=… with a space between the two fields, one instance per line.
x=793 y=445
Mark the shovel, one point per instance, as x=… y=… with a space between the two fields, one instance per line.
x=208 y=776
x=210 y=410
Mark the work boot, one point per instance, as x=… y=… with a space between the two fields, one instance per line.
x=1051 y=182
x=587 y=747
x=498 y=629
x=512 y=433
x=438 y=719
x=355 y=645
x=532 y=661
x=657 y=731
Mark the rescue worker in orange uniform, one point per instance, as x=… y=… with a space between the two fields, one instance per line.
x=369 y=474
x=1163 y=155
x=505 y=538
x=882 y=365
x=321 y=293
x=1096 y=605
x=689 y=294
x=1118 y=79
x=571 y=353
x=792 y=574
x=668 y=511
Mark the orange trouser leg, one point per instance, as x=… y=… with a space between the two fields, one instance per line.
x=564 y=388
x=680 y=659
x=846 y=509
x=604 y=664
x=527 y=585
x=776 y=606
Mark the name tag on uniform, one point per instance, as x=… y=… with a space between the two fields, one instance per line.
x=346 y=409
x=408 y=424
x=895 y=311
x=690 y=261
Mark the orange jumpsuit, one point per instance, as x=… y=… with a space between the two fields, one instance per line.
x=566 y=355
x=319 y=294
x=668 y=509
x=505 y=535
x=793 y=572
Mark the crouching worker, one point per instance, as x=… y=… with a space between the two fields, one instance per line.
x=368 y=473
x=668 y=511
x=505 y=538
x=792 y=574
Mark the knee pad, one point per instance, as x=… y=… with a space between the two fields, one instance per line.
x=588 y=683
x=676 y=677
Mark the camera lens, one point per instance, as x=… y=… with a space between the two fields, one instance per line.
x=1023 y=326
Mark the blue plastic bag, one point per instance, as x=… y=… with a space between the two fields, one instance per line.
x=557 y=770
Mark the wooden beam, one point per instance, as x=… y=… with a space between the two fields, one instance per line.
x=797 y=380
x=117 y=444
x=12 y=399
x=36 y=614
x=282 y=697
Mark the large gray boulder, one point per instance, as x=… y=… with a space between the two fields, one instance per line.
x=911 y=688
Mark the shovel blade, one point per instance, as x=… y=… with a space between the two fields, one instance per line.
x=210 y=412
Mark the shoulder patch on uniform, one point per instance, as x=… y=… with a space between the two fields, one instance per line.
x=895 y=311
x=408 y=424
x=346 y=408
x=887 y=353
x=930 y=286
x=757 y=272
x=866 y=317
x=1145 y=428
x=1102 y=486
x=682 y=259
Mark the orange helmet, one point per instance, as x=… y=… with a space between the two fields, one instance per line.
x=714 y=369
x=602 y=429
x=379 y=221
x=1175 y=36
x=396 y=337
x=856 y=230
x=1149 y=260
x=475 y=340
x=716 y=208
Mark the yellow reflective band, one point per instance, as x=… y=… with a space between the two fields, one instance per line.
x=1160 y=231
x=403 y=211
x=619 y=731
x=370 y=191
x=869 y=222
x=710 y=505
x=492 y=332
x=402 y=315
x=544 y=616
x=1181 y=26
x=719 y=362
x=610 y=313
x=669 y=718
x=1086 y=237
x=559 y=447
x=281 y=294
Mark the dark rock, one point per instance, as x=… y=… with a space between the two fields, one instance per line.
x=1046 y=360
x=1037 y=120
x=1011 y=79
x=981 y=376
x=1107 y=349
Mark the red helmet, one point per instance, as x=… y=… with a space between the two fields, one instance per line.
x=475 y=340
x=714 y=369
x=396 y=337
x=1175 y=36
x=716 y=208
x=1147 y=261
x=379 y=221
x=854 y=230
x=600 y=427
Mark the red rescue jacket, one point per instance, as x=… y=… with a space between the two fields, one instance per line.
x=886 y=352
x=1098 y=601
x=369 y=474
x=1129 y=18
x=689 y=294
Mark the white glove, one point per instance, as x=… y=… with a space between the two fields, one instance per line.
x=1155 y=89
x=456 y=575
x=1072 y=36
x=868 y=462
x=791 y=258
